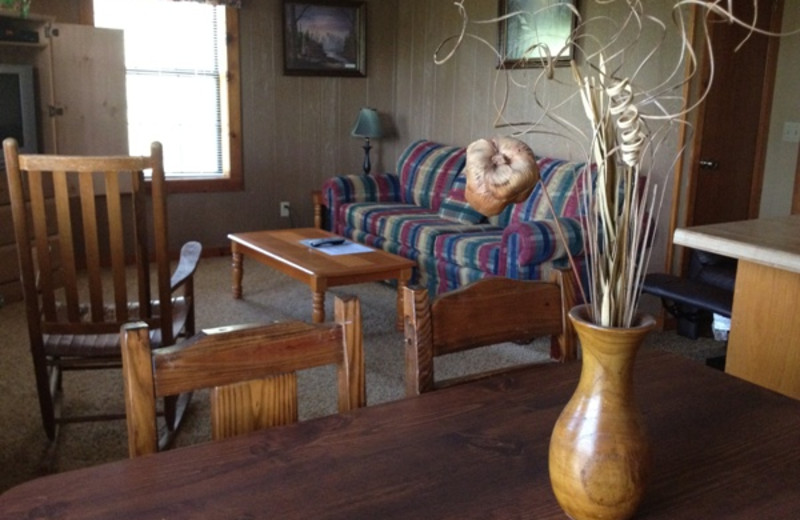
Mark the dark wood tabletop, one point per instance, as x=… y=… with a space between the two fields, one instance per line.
x=723 y=448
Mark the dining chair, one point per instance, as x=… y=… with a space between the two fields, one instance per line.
x=484 y=313
x=86 y=234
x=251 y=372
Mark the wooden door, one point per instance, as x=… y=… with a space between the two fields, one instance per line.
x=731 y=139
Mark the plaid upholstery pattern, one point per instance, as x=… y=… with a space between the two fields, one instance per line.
x=440 y=277
x=426 y=170
x=407 y=225
x=480 y=250
x=538 y=241
x=371 y=217
x=357 y=188
x=564 y=182
x=504 y=217
x=455 y=206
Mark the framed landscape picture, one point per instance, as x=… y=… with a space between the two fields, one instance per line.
x=535 y=27
x=324 y=38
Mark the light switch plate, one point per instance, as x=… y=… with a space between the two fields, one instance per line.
x=791 y=132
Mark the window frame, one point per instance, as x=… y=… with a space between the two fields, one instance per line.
x=233 y=180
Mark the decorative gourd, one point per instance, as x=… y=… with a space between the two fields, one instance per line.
x=500 y=171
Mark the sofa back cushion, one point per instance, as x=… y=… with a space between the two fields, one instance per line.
x=455 y=206
x=426 y=170
x=504 y=217
x=564 y=181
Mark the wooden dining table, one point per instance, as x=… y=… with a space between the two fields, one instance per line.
x=723 y=448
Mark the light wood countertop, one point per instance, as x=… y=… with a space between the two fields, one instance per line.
x=774 y=242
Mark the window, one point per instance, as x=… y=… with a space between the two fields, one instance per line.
x=180 y=88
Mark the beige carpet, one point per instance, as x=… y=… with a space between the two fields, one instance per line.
x=25 y=452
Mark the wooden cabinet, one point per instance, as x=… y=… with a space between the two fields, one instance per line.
x=89 y=90
x=80 y=82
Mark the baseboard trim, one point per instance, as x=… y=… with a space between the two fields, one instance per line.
x=216 y=251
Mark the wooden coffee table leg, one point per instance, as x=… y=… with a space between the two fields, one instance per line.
x=237 y=274
x=317 y=306
x=318 y=287
x=402 y=281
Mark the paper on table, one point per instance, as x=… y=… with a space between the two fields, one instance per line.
x=347 y=248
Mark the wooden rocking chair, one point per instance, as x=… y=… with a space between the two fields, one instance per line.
x=83 y=230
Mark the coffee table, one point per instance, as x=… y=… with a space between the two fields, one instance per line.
x=281 y=249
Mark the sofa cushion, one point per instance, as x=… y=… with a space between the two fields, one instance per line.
x=426 y=170
x=564 y=182
x=422 y=233
x=479 y=250
x=504 y=217
x=455 y=206
x=371 y=217
x=408 y=225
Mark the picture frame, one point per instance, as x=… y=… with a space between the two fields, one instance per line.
x=324 y=38
x=523 y=37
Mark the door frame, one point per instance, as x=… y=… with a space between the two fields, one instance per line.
x=796 y=191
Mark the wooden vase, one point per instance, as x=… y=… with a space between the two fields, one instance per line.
x=599 y=451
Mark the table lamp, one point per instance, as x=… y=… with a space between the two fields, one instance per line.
x=368 y=126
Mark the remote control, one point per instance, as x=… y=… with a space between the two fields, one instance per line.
x=327 y=242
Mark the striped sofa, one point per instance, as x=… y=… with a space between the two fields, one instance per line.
x=420 y=212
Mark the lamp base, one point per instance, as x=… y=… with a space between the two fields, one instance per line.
x=367 y=164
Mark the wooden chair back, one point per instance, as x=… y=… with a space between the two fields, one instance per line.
x=483 y=313
x=251 y=372
x=74 y=236
x=85 y=231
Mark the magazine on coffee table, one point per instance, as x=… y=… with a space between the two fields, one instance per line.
x=345 y=247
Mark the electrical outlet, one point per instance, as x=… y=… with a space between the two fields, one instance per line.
x=285 y=208
x=791 y=132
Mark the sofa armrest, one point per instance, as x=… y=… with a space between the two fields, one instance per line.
x=343 y=189
x=538 y=241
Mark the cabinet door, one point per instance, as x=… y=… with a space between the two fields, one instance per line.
x=89 y=90
x=88 y=85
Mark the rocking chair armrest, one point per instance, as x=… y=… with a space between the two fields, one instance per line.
x=187 y=264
